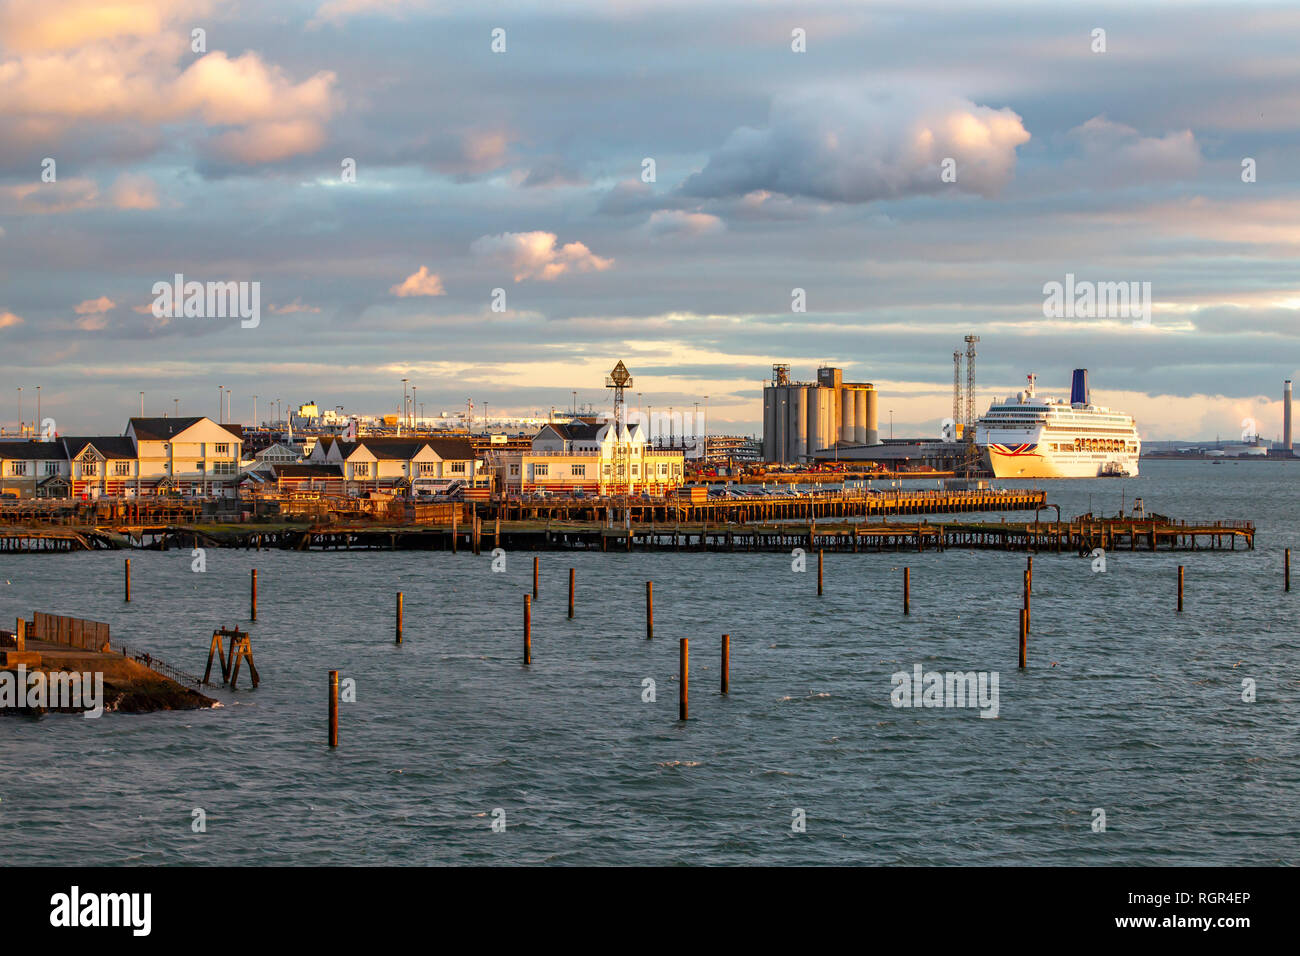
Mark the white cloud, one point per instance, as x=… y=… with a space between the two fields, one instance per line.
x=534 y=255
x=856 y=148
x=679 y=223
x=418 y=283
x=8 y=320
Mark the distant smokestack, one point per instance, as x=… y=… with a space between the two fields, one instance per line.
x=1079 y=387
x=1286 y=415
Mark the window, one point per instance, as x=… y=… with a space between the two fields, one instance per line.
x=607 y=471
x=458 y=468
x=223 y=467
x=541 y=471
x=121 y=468
x=51 y=467
x=663 y=469
x=89 y=468
x=635 y=470
x=579 y=471
x=514 y=471
x=223 y=450
x=361 y=469
x=18 y=468
x=427 y=467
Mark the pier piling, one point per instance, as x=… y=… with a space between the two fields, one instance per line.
x=334 y=708
x=684 y=673
x=398 y=634
x=252 y=596
x=907 y=590
x=1287 y=569
x=528 y=628
x=536 y=562
x=649 y=610
x=1029 y=588
x=571 y=574
x=819 y=573
x=1024 y=634
x=1180 y=588
x=726 y=664
x=128 y=581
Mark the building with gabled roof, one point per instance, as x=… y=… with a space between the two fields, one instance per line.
x=591 y=457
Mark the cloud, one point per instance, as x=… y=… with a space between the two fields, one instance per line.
x=295 y=306
x=8 y=320
x=533 y=255
x=128 y=66
x=94 y=313
x=854 y=148
x=553 y=171
x=418 y=283
x=132 y=191
x=679 y=223
x=42 y=25
x=1120 y=155
x=94 y=306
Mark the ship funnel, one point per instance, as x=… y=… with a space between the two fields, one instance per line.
x=1079 y=387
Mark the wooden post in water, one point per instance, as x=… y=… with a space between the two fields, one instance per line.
x=1029 y=568
x=334 y=708
x=684 y=682
x=399 y=618
x=649 y=610
x=819 y=572
x=1024 y=634
x=528 y=628
x=1180 y=587
x=536 y=560
x=571 y=574
x=1028 y=591
x=252 y=596
x=128 y=581
x=726 y=663
x=1288 y=567
x=907 y=590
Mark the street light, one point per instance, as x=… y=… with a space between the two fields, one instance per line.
x=20 y=411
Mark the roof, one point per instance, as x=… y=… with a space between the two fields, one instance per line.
x=110 y=446
x=394 y=449
x=452 y=449
x=32 y=450
x=164 y=429
x=578 y=431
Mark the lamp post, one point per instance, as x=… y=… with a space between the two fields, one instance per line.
x=20 y=411
x=39 y=424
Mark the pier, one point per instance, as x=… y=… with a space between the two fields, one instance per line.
x=837 y=521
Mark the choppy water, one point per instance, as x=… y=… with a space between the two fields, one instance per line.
x=1126 y=706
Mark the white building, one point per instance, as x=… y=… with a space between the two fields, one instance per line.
x=592 y=457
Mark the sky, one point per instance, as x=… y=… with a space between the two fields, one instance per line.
x=500 y=201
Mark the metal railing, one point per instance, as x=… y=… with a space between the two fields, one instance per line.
x=160 y=666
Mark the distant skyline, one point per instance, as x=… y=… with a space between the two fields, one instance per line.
x=524 y=171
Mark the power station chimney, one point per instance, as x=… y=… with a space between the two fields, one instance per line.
x=1286 y=416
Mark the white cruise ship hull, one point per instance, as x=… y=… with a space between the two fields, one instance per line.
x=1033 y=460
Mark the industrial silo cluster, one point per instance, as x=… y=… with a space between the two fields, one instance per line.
x=801 y=418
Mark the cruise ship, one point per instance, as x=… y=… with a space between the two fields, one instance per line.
x=1031 y=437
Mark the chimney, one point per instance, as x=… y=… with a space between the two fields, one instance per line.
x=1079 y=387
x=1286 y=415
